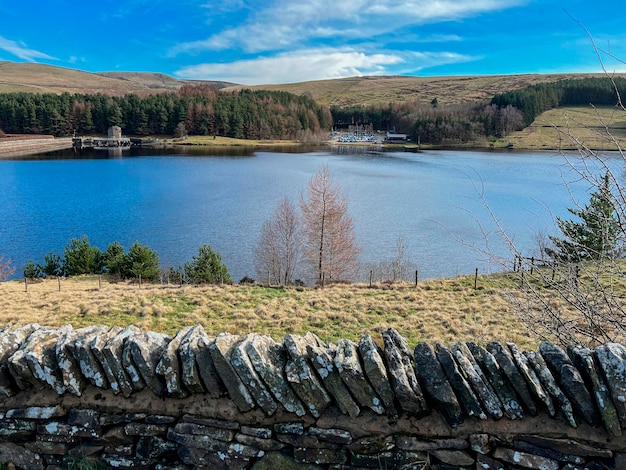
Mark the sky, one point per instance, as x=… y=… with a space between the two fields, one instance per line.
x=286 y=41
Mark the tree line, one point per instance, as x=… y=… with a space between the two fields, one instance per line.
x=138 y=262
x=194 y=109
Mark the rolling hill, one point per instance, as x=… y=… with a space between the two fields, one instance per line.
x=39 y=78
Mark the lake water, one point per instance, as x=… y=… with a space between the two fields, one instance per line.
x=176 y=202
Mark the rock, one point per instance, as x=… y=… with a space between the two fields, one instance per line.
x=68 y=365
x=237 y=391
x=487 y=463
x=456 y=458
x=499 y=383
x=137 y=382
x=268 y=359
x=415 y=444
x=169 y=366
x=275 y=460
x=97 y=346
x=583 y=361
x=112 y=352
x=549 y=383
x=524 y=459
x=322 y=361
x=34 y=363
x=433 y=380
x=507 y=364
x=457 y=381
x=531 y=378
x=337 y=436
x=146 y=350
x=208 y=373
x=480 y=443
x=10 y=341
x=525 y=446
x=348 y=365
x=300 y=375
x=89 y=365
x=612 y=360
x=320 y=456
x=376 y=372
x=571 y=382
x=567 y=446
x=402 y=374
x=242 y=364
x=20 y=456
x=36 y=412
x=187 y=352
x=467 y=363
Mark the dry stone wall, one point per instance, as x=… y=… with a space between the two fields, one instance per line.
x=124 y=398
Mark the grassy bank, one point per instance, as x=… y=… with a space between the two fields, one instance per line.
x=445 y=310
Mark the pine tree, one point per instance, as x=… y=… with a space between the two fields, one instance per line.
x=596 y=236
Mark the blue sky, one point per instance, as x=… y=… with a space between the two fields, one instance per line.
x=283 y=41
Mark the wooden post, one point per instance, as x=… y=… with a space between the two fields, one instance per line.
x=99 y=281
x=140 y=281
x=475 y=278
x=59 y=282
x=532 y=265
x=269 y=284
x=416 y=277
x=25 y=284
x=371 y=274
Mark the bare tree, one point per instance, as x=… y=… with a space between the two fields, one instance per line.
x=330 y=246
x=277 y=254
x=6 y=268
x=397 y=268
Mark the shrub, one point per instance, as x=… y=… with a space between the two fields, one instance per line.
x=142 y=261
x=207 y=267
x=114 y=261
x=33 y=271
x=81 y=257
x=53 y=264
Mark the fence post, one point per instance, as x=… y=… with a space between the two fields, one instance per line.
x=475 y=278
x=140 y=281
x=99 y=281
x=371 y=274
x=25 y=284
x=532 y=265
x=59 y=282
x=416 y=276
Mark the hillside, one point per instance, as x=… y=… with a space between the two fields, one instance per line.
x=39 y=78
x=386 y=89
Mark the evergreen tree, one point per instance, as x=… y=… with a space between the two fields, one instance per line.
x=207 y=267
x=596 y=236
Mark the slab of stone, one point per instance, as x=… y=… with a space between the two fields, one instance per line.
x=112 y=352
x=169 y=366
x=524 y=459
x=583 y=361
x=206 y=368
x=507 y=364
x=468 y=365
x=277 y=460
x=242 y=364
x=301 y=376
x=97 y=346
x=434 y=381
x=487 y=463
x=146 y=350
x=42 y=359
x=187 y=352
x=10 y=341
x=568 y=446
x=20 y=456
x=220 y=350
x=402 y=374
x=612 y=360
x=348 y=364
x=376 y=372
x=137 y=382
x=456 y=458
x=70 y=370
x=570 y=381
x=34 y=363
x=525 y=446
x=89 y=365
x=268 y=359
x=462 y=389
x=531 y=378
x=36 y=412
x=550 y=385
x=499 y=383
x=322 y=360
x=415 y=444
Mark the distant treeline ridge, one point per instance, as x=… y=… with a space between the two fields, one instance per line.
x=197 y=110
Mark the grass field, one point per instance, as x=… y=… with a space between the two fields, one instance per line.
x=445 y=310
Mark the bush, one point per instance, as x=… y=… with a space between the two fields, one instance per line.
x=33 y=271
x=142 y=261
x=114 y=261
x=207 y=267
x=53 y=265
x=81 y=257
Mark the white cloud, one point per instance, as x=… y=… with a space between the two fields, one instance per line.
x=284 y=23
x=21 y=51
x=316 y=64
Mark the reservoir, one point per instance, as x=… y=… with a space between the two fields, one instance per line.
x=441 y=203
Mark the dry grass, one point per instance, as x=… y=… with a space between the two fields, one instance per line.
x=444 y=310
x=590 y=126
